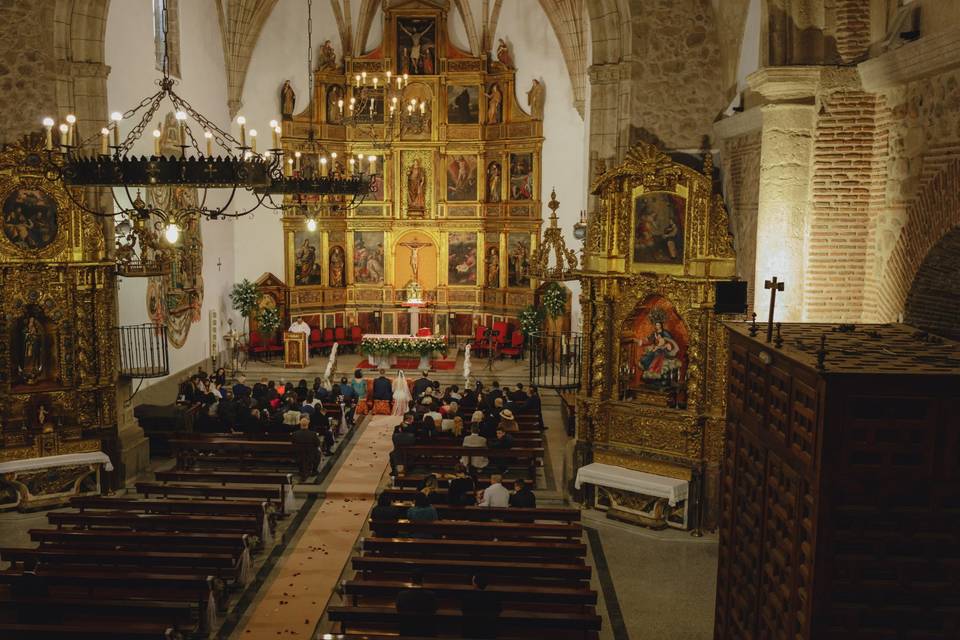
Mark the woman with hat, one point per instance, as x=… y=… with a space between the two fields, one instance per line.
x=507 y=421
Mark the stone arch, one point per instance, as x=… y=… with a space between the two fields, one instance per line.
x=933 y=302
x=610 y=30
x=931 y=216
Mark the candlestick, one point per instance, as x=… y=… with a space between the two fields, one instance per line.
x=64 y=141
x=71 y=122
x=296 y=161
x=288 y=167
x=243 y=130
x=357 y=80
x=340 y=106
x=104 y=141
x=323 y=166
x=253 y=140
x=116 y=116
x=276 y=133
x=423 y=107
x=399 y=82
x=363 y=78
x=389 y=75
x=406 y=79
x=209 y=138
x=351 y=163
x=375 y=81
x=48 y=125
x=156 y=142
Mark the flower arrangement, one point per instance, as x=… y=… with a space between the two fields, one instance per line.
x=402 y=346
x=530 y=320
x=268 y=321
x=244 y=297
x=554 y=299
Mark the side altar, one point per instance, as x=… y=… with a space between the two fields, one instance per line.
x=652 y=399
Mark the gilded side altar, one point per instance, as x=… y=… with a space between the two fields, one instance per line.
x=654 y=357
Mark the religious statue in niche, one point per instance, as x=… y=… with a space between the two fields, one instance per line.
x=288 y=100
x=416 y=47
x=327 y=60
x=30 y=218
x=521 y=176
x=658 y=225
x=463 y=258
x=416 y=187
x=654 y=346
x=338 y=265
x=494 y=104
x=518 y=259
x=462 y=178
x=306 y=259
x=368 y=257
x=503 y=54
x=334 y=104
x=493 y=266
x=463 y=104
x=536 y=99
x=32 y=361
x=494 y=180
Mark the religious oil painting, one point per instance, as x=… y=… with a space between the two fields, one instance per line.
x=368 y=257
x=654 y=342
x=518 y=259
x=494 y=181
x=417 y=46
x=521 y=176
x=491 y=260
x=461 y=178
x=30 y=218
x=338 y=267
x=658 y=220
x=463 y=104
x=307 y=269
x=463 y=258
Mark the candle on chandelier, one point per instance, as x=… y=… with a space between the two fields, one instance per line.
x=373 y=101
x=340 y=106
x=116 y=116
x=243 y=130
x=209 y=138
x=63 y=135
x=351 y=163
x=288 y=167
x=253 y=140
x=323 y=166
x=71 y=121
x=363 y=78
x=182 y=126
x=423 y=107
x=48 y=125
x=387 y=83
x=371 y=164
x=375 y=81
x=296 y=161
x=399 y=82
x=406 y=79
x=357 y=80
x=104 y=141
x=275 y=128
x=156 y=142
x=410 y=109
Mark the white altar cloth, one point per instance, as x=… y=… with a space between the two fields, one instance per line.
x=606 y=475
x=48 y=462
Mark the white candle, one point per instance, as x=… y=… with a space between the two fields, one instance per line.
x=63 y=135
x=389 y=75
x=375 y=81
x=289 y=167
x=406 y=79
x=372 y=164
x=243 y=130
x=357 y=79
x=296 y=161
x=340 y=106
x=276 y=133
x=323 y=166
x=423 y=106
x=156 y=142
x=253 y=140
x=71 y=121
x=352 y=161
x=116 y=116
x=105 y=141
x=48 y=125
x=363 y=78
x=209 y=138
x=181 y=126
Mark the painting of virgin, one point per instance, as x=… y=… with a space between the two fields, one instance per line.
x=658 y=219
x=307 y=270
x=463 y=258
x=416 y=46
x=368 y=257
x=30 y=218
x=654 y=342
x=462 y=178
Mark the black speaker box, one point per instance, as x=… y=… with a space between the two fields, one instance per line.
x=731 y=296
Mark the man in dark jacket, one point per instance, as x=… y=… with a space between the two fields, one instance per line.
x=240 y=389
x=306 y=443
x=523 y=496
x=480 y=610
x=422 y=385
x=417 y=607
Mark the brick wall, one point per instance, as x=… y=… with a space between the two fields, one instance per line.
x=740 y=161
x=847 y=190
x=852 y=28
x=934 y=300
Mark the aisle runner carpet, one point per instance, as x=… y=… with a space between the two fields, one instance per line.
x=296 y=598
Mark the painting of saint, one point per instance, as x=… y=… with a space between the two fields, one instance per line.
x=521 y=176
x=494 y=104
x=338 y=267
x=462 y=247
x=416 y=186
x=658 y=219
x=335 y=104
x=462 y=178
x=492 y=262
x=654 y=342
x=416 y=46
x=518 y=259
x=30 y=218
x=494 y=181
x=368 y=257
x=306 y=261
x=463 y=104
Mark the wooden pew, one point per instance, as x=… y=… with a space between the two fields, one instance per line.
x=234 y=453
x=537 y=624
x=160 y=522
x=360 y=590
x=209 y=492
x=412 y=480
x=449 y=455
x=146 y=540
x=262 y=511
x=84 y=630
x=475 y=530
x=223 y=565
x=530 y=551
x=495 y=570
x=225 y=477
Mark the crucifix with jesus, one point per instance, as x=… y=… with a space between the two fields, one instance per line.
x=774 y=285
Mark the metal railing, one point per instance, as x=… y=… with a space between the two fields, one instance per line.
x=555 y=360
x=143 y=351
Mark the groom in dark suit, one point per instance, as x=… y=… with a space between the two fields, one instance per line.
x=382 y=394
x=421 y=385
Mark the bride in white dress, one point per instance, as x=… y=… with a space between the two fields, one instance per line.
x=401 y=395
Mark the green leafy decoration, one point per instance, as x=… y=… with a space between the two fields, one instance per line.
x=554 y=299
x=403 y=346
x=531 y=318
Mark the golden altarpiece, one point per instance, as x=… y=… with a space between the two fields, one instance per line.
x=456 y=197
x=57 y=350
x=654 y=356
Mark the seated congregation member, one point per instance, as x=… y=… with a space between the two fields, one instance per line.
x=508 y=422
x=403 y=434
x=448 y=413
x=384 y=511
x=427 y=427
x=301 y=390
x=291 y=415
x=518 y=394
x=382 y=395
x=491 y=419
x=503 y=441
x=252 y=423
x=227 y=412
x=240 y=389
x=307 y=443
x=496 y=495
x=476 y=420
x=220 y=377
x=361 y=389
x=533 y=406
x=474 y=440
x=422 y=385
x=307 y=405
x=259 y=389
x=417 y=607
x=468 y=401
x=327 y=439
x=461 y=491
x=452 y=393
x=320 y=391
x=523 y=496
x=422 y=510
x=481 y=609
x=457 y=427
x=494 y=393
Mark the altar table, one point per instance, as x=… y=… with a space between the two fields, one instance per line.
x=41 y=482
x=645 y=484
x=384 y=360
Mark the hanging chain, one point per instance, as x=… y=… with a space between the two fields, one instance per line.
x=164 y=27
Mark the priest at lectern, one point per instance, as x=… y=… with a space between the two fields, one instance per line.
x=299 y=326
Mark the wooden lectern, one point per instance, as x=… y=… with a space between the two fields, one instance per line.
x=294 y=350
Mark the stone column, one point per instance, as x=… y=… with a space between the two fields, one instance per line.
x=133 y=447
x=786 y=167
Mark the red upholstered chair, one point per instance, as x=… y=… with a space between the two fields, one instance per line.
x=328 y=337
x=479 y=344
x=500 y=331
x=424 y=332
x=515 y=349
x=340 y=335
x=255 y=345
x=356 y=335
x=314 y=340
